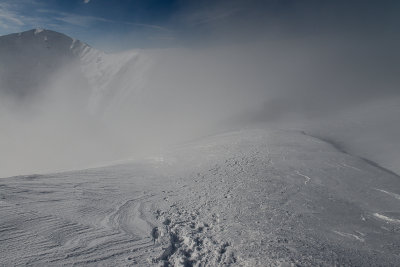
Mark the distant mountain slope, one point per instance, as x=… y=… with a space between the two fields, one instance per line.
x=35 y=60
x=55 y=94
x=29 y=59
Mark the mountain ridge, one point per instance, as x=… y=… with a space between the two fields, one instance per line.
x=31 y=59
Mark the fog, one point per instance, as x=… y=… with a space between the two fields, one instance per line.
x=331 y=76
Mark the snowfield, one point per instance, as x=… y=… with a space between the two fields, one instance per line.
x=253 y=197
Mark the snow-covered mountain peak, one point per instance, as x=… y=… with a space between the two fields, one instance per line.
x=32 y=59
x=46 y=39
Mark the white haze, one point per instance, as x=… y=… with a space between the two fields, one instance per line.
x=338 y=85
x=181 y=95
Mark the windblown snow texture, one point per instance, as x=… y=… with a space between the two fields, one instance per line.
x=245 y=198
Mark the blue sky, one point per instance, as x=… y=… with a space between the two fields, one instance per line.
x=117 y=24
x=123 y=24
x=92 y=20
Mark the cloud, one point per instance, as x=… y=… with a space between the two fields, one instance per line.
x=208 y=16
x=78 y=20
x=9 y=17
x=86 y=1
x=14 y=18
x=152 y=26
x=86 y=21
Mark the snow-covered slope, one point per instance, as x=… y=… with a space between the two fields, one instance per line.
x=248 y=198
x=113 y=77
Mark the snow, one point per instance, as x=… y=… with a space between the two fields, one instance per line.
x=113 y=77
x=38 y=30
x=305 y=176
x=396 y=196
x=350 y=236
x=386 y=218
x=237 y=198
x=73 y=43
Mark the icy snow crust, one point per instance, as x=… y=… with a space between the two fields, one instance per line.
x=247 y=198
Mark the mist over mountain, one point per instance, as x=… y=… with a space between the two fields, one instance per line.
x=79 y=106
x=121 y=105
x=54 y=90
